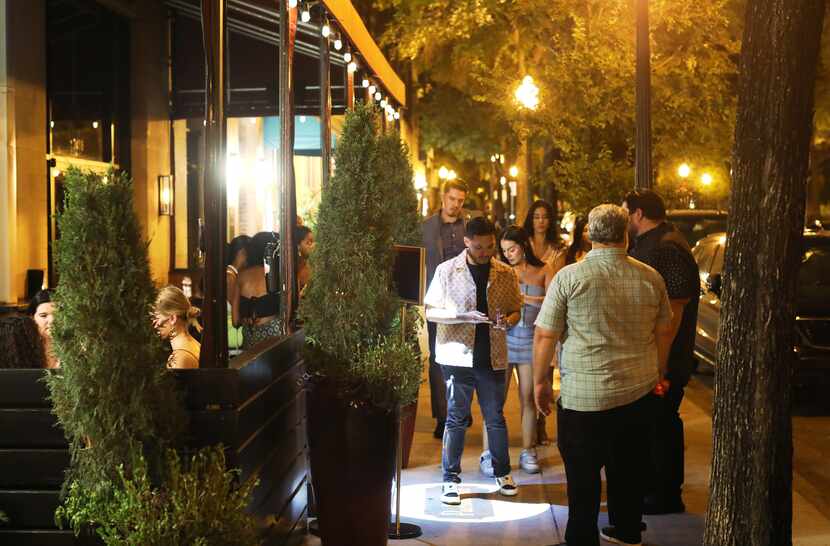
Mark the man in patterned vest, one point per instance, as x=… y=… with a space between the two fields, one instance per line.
x=473 y=299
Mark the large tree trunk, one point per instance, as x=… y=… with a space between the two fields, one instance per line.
x=751 y=481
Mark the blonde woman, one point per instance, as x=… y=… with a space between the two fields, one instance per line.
x=172 y=314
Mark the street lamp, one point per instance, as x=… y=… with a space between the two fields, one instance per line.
x=443 y=172
x=514 y=171
x=706 y=179
x=451 y=175
x=683 y=171
x=527 y=94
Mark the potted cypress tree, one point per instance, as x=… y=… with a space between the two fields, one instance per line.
x=363 y=361
x=115 y=400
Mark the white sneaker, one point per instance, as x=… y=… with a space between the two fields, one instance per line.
x=507 y=486
x=528 y=462
x=450 y=493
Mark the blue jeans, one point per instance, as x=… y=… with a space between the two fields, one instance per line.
x=489 y=384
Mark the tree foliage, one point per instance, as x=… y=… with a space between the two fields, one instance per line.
x=114 y=398
x=472 y=54
x=112 y=393
x=201 y=504
x=350 y=310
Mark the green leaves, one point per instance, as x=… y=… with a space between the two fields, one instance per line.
x=112 y=391
x=349 y=306
x=113 y=396
x=471 y=54
x=198 y=503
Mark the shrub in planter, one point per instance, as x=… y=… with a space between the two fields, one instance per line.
x=113 y=395
x=199 y=505
x=363 y=367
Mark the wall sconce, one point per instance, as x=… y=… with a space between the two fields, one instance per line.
x=166 y=195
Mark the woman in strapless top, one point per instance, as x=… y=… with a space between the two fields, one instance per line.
x=534 y=276
x=253 y=307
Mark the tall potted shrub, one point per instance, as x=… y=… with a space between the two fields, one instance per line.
x=113 y=396
x=363 y=366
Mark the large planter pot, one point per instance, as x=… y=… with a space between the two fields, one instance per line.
x=408 y=416
x=352 y=454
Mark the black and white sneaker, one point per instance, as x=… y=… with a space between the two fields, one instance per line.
x=450 y=494
x=610 y=534
x=507 y=486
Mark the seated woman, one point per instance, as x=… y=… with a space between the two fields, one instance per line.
x=20 y=343
x=172 y=314
x=304 y=239
x=255 y=307
x=42 y=310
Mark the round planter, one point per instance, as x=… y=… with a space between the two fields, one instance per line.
x=352 y=452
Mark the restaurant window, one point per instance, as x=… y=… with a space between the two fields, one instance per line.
x=253 y=133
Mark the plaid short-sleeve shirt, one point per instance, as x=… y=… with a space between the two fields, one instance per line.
x=453 y=288
x=607 y=308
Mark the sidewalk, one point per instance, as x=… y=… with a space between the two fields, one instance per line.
x=538 y=515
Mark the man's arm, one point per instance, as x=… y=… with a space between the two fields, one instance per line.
x=544 y=344
x=677 y=306
x=664 y=334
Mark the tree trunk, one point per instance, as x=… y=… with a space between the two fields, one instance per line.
x=751 y=480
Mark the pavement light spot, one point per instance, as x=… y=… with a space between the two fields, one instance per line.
x=479 y=504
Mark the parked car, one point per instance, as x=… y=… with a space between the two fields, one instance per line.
x=812 y=308
x=695 y=224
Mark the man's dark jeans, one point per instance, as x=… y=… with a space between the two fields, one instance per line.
x=618 y=439
x=437 y=387
x=489 y=384
x=667 y=446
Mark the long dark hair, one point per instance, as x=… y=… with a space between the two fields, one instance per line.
x=519 y=236
x=552 y=235
x=256 y=250
x=577 y=242
x=20 y=343
x=42 y=296
x=237 y=245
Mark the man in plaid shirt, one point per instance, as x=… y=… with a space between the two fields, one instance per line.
x=612 y=315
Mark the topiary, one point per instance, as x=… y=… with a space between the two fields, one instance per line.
x=350 y=309
x=112 y=393
x=113 y=396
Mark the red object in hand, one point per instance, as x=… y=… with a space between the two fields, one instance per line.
x=661 y=388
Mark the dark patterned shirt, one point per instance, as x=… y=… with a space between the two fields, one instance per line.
x=665 y=249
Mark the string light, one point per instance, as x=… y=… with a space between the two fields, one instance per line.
x=352 y=67
x=365 y=83
x=372 y=89
x=378 y=96
x=326 y=30
x=338 y=43
x=397 y=115
x=347 y=57
x=305 y=14
x=383 y=104
x=292 y=4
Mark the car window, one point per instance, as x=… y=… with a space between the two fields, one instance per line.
x=717 y=263
x=814 y=280
x=703 y=256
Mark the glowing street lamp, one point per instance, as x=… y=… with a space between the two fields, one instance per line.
x=527 y=94
x=706 y=179
x=683 y=171
x=514 y=171
x=451 y=175
x=443 y=173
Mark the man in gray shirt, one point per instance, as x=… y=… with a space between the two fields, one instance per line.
x=612 y=315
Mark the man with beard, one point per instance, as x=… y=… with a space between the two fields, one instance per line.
x=443 y=238
x=474 y=299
